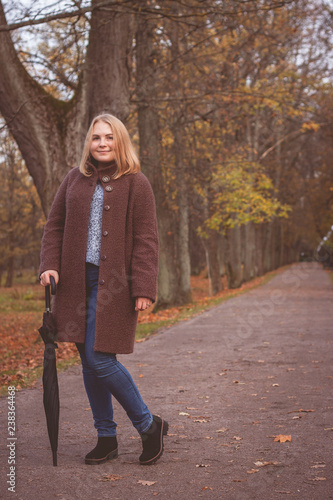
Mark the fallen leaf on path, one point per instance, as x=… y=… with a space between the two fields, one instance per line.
x=282 y=438
x=317 y=466
x=146 y=483
x=252 y=471
x=223 y=429
x=275 y=385
x=111 y=477
x=300 y=411
x=318 y=479
x=263 y=464
x=207 y=488
x=200 y=420
x=184 y=414
x=202 y=465
x=238 y=438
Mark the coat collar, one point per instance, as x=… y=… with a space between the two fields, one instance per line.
x=107 y=171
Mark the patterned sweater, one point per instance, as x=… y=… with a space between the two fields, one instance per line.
x=95 y=226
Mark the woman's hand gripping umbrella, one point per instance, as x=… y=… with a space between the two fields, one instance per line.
x=50 y=379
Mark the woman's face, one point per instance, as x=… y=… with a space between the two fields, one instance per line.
x=102 y=147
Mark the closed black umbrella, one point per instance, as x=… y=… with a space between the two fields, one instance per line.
x=50 y=378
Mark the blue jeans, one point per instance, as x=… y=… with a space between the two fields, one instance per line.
x=105 y=377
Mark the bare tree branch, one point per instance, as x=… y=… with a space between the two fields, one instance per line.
x=200 y=11
x=292 y=135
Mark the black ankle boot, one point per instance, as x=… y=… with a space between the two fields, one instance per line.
x=106 y=449
x=152 y=441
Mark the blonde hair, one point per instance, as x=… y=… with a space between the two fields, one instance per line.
x=125 y=156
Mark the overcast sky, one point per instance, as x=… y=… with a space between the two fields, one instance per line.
x=18 y=10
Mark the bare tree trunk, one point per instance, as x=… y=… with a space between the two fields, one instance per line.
x=10 y=271
x=249 y=237
x=282 y=243
x=211 y=248
x=108 y=63
x=249 y=254
x=234 y=266
x=267 y=247
x=222 y=248
x=50 y=132
x=150 y=160
x=12 y=216
x=183 y=252
x=276 y=244
x=259 y=264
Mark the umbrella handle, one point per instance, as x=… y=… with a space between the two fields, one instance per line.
x=48 y=290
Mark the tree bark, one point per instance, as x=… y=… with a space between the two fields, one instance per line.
x=267 y=253
x=10 y=271
x=259 y=265
x=183 y=252
x=211 y=246
x=148 y=122
x=222 y=244
x=107 y=68
x=234 y=266
x=249 y=252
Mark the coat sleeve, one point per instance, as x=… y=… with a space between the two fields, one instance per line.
x=50 y=255
x=144 y=262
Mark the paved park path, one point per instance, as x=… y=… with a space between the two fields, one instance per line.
x=228 y=381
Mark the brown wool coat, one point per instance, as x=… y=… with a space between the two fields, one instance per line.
x=129 y=256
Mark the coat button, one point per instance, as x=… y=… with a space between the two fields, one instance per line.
x=105 y=233
x=105 y=178
x=107 y=207
x=103 y=257
x=101 y=282
x=108 y=188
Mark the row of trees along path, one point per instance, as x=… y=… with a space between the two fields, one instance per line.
x=229 y=103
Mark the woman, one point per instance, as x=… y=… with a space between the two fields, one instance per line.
x=100 y=243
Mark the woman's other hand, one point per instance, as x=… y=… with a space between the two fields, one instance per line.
x=142 y=303
x=45 y=277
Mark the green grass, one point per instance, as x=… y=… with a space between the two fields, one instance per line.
x=21 y=299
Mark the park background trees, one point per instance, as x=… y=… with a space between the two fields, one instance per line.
x=229 y=103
